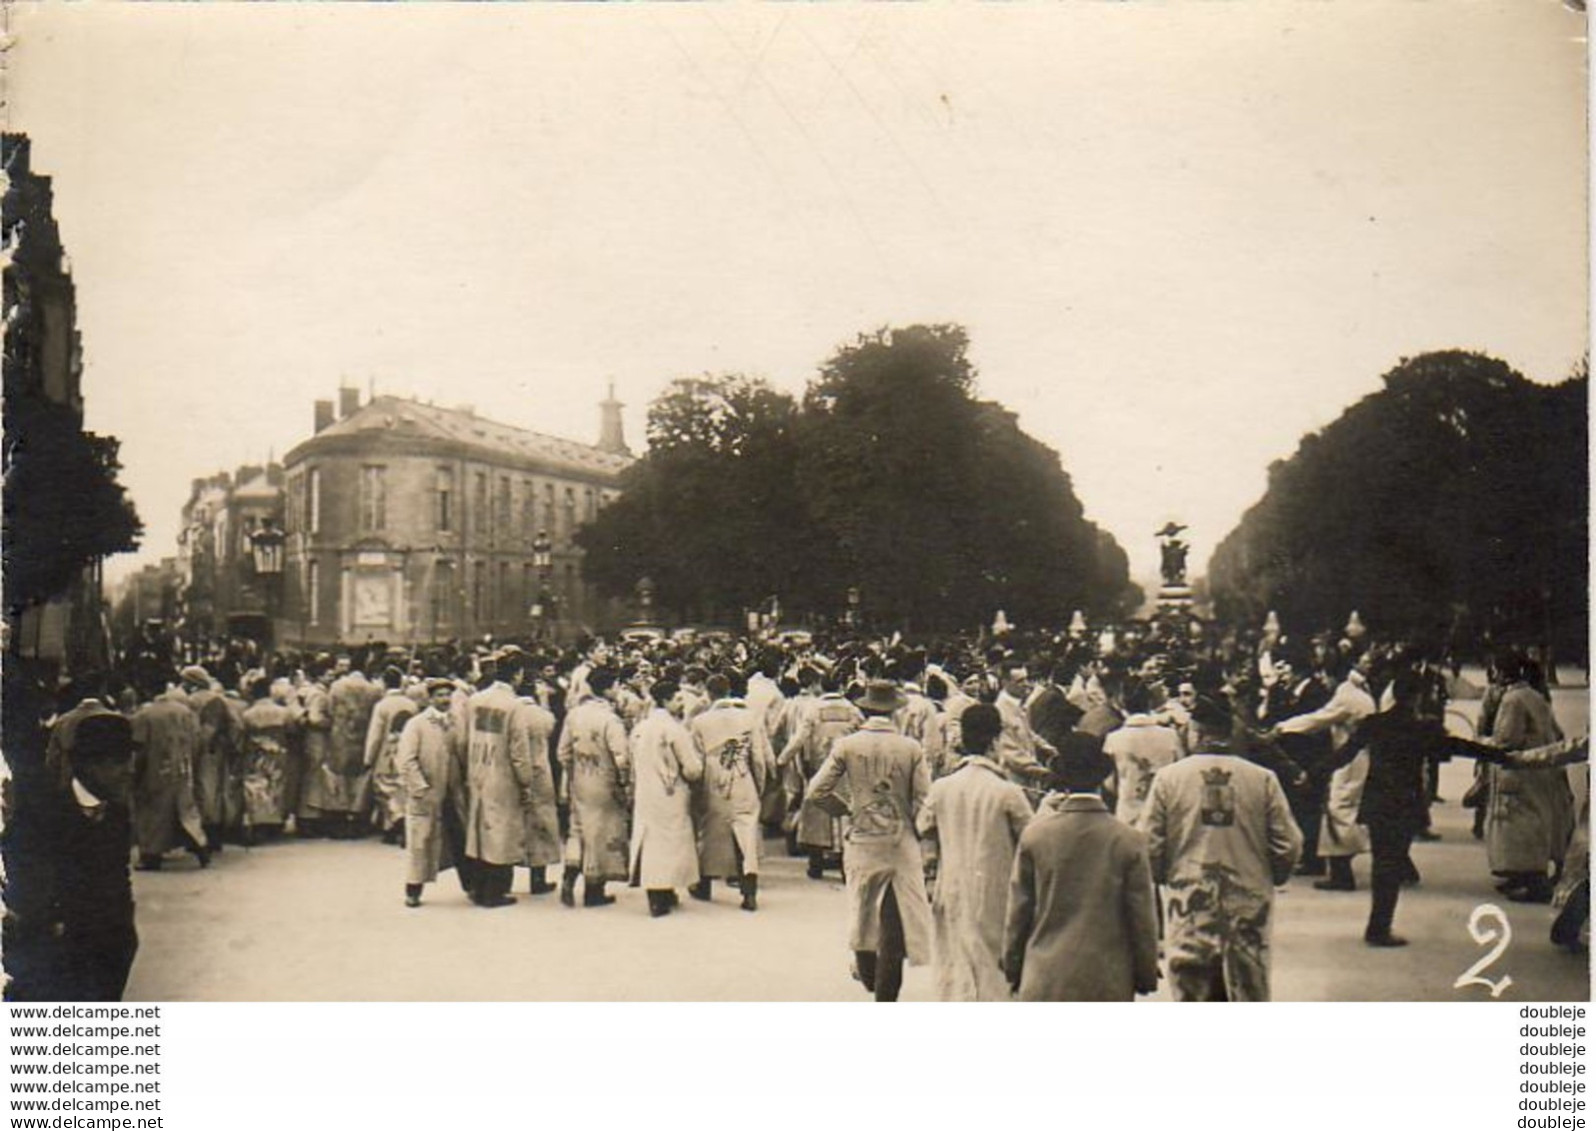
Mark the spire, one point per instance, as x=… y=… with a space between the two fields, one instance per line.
x=612 y=435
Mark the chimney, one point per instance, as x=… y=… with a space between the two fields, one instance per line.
x=324 y=415
x=612 y=437
x=348 y=403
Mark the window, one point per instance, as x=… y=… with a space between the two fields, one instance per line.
x=445 y=491
x=527 y=590
x=592 y=505
x=528 y=501
x=548 y=508
x=313 y=589
x=442 y=586
x=502 y=506
x=313 y=503
x=570 y=511
x=501 y=598
x=373 y=497
x=479 y=579
x=479 y=502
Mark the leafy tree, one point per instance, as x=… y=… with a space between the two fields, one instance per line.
x=1452 y=503
x=63 y=506
x=891 y=477
x=711 y=513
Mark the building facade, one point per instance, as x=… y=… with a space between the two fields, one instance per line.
x=408 y=522
x=64 y=511
x=223 y=591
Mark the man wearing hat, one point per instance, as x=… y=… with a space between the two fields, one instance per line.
x=887 y=781
x=1220 y=838
x=79 y=905
x=1081 y=923
x=429 y=764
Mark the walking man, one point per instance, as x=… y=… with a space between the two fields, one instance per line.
x=1220 y=838
x=427 y=762
x=887 y=782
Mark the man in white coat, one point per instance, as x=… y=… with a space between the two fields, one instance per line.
x=1019 y=751
x=665 y=763
x=1343 y=837
x=738 y=762
x=427 y=762
x=1220 y=838
x=388 y=718
x=499 y=777
x=971 y=825
x=887 y=781
x=597 y=764
x=532 y=724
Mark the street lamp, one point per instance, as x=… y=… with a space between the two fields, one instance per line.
x=543 y=555
x=853 y=606
x=266 y=547
x=645 y=597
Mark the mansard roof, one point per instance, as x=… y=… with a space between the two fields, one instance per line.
x=392 y=424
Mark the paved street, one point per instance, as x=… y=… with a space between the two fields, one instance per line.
x=319 y=920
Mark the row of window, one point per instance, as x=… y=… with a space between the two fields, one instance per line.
x=511 y=512
x=524 y=511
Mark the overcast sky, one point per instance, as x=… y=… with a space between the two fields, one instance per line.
x=1180 y=237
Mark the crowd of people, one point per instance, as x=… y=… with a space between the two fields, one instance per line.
x=1053 y=817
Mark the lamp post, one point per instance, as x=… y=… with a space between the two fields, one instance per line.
x=267 y=548
x=853 y=606
x=543 y=561
x=645 y=598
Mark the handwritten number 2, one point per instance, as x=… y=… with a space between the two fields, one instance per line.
x=1484 y=933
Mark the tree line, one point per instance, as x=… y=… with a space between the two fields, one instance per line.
x=1451 y=505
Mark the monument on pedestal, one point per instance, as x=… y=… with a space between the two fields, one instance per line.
x=1175 y=594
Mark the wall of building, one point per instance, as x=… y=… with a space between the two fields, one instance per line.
x=413 y=567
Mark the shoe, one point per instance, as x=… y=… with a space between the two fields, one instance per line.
x=815 y=872
x=597 y=899
x=1429 y=835
x=700 y=891
x=1535 y=893
x=672 y=898
x=497 y=901
x=147 y=866
x=204 y=857
x=1314 y=869
x=1385 y=940
x=412 y=901
x=750 y=893
x=1334 y=885
x=540 y=889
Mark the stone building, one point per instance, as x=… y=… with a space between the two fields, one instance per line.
x=223 y=592
x=409 y=522
x=65 y=512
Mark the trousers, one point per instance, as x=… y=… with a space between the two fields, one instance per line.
x=881 y=970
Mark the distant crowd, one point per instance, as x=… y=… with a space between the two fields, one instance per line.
x=1045 y=815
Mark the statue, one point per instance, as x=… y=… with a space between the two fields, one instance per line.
x=1173 y=554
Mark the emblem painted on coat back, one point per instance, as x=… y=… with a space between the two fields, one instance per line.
x=1219 y=800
